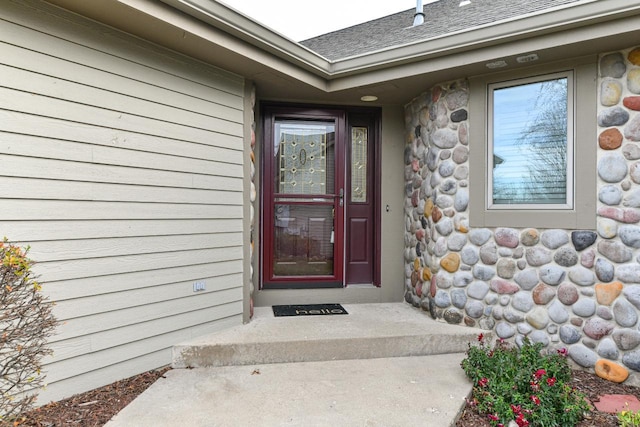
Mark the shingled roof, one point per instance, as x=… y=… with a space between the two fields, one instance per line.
x=441 y=18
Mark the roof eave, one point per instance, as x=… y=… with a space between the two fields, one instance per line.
x=584 y=14
x=223 y=31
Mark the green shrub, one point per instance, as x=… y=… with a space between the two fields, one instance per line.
x=523 y=385
x=26 y=322
x=629 y=419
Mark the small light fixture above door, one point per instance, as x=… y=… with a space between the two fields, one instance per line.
x=368 y=98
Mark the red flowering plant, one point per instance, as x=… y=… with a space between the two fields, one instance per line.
x=524 y=385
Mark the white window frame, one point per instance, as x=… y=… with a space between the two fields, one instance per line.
x=571 y=122
x=582 y=214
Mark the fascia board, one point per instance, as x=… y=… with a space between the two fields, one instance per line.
x=555 y=20
x=243 y=27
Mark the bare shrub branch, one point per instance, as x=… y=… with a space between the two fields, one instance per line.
x=26 y=322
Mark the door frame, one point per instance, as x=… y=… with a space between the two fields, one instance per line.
x=269 y=112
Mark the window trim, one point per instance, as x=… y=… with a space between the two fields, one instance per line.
x=583 y=213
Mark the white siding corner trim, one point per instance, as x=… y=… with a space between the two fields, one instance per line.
x=121 y=165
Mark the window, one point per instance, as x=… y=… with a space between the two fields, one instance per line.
x=528 y=143
x=533 y=155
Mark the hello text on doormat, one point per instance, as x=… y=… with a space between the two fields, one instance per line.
x=308 y=310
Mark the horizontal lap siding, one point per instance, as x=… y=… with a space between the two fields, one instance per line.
x=121 y=165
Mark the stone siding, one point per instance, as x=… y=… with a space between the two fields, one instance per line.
x=574 y=289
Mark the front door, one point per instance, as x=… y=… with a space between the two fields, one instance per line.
x=318 y=199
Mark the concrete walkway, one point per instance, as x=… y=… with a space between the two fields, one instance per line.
x=375 y=387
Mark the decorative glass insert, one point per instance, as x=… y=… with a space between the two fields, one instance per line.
x=359 y=148
x=531 y=143
x=304 y=157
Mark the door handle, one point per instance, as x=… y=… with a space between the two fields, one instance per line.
x=341 y=202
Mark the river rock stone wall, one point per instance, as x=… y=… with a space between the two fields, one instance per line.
x=574 y=289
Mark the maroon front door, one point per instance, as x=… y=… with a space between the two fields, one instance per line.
x=318 y=199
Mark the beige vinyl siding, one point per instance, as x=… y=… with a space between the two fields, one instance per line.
x=121 y=165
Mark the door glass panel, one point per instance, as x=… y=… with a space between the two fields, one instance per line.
x=359 y=164
x=304 y=155
x=303 y=240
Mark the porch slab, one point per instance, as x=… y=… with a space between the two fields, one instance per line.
x=368 y=331
x=423 y=390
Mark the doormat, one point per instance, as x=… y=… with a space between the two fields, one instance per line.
x=308 y=310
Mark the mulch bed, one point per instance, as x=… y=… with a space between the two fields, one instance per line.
x=591 y=385
x=94 y=408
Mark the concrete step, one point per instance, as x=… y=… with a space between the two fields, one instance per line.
x=426 y=391
x=369 y=331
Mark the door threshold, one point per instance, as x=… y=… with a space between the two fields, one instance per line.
x=362 y=285
x=349 y=295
